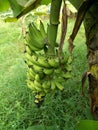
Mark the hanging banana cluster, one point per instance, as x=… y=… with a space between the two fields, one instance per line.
x=45 y=73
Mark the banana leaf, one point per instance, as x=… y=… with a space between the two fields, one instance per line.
x=22 y=7
x=4 y=5
x=76 y=3
x=45 y=2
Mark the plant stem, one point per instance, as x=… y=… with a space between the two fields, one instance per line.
x=54 y=22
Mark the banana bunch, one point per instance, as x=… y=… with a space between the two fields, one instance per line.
x=45 y=73
x=36 y=38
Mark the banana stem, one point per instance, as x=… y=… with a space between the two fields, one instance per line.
x=54 y=22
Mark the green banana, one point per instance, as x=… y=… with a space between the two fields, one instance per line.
x=59 y=78
x=33 y=31
x=31 y=71
x=36 y=101
x=28 y=56
x=30 y=76
x=38 y=86
x=53 y=85
x=37 y=77
x=28 y=39
x=53 y=62
x=57 y=71
x=31 y=44
x=39 y=61
x=66 y=75
x=42 y=30
x=34 y=86
x=36 y=42
x=30 y=85
x=37 y=69
x=36 y=37
x=28 y=50
x=40 y=95
x=68 y=67
x=46 y=84
x=34 y=60
x=39 y=98
x=33 y=48
x=29 y=63
x=59 y=85
x=42 y=60
x=48 y=71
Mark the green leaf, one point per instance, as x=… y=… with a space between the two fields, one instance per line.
x=76 y=3
x=45 y=2
x=30 y=2
x=22 y=2
x=88 y=125
x=17 y=8
x=71 y=7
x=4 y=5
x=22 y=7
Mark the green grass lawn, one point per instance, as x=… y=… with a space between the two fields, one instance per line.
x=17 y=110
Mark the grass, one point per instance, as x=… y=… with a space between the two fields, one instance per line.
x=17 y=110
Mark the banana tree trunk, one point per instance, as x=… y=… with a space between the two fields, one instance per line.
x=91 y=31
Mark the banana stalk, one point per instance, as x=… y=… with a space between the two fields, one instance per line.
x=53 y=27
